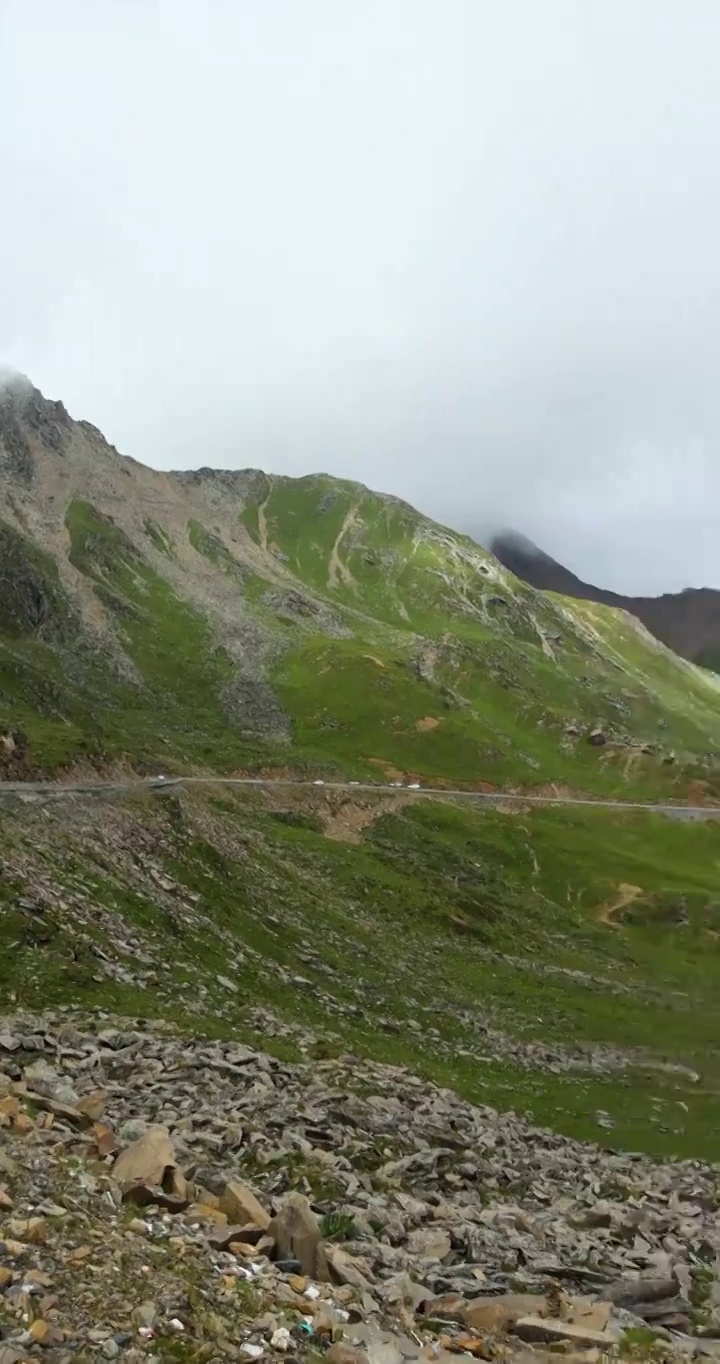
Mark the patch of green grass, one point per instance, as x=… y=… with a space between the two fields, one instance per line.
x=642 y=1343
x=160 y=537
x=338 y=1226
x=366 y=709
x=210 y=545
x=700 y=1294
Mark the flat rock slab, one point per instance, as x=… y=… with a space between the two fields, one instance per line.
x=501 y=1313
x=586 y=1313
x=429 y=1243
x=549 y=1330
x=626 y=1292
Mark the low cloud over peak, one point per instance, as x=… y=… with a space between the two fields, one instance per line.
x=467 y=255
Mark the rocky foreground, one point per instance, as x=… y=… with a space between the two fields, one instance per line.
x=165 y=1198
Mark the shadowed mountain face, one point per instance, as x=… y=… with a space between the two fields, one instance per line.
x=688 y=622
x=221 y=620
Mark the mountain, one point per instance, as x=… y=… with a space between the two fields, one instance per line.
x=211 y=621
x=688 y=622
x=558 y=960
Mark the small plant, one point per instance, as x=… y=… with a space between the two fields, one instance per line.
x=642 y=1343
x=338 y=1226
x=325 y=1049
x=700 y=1293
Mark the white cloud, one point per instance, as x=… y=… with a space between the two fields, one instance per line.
x=466 y=253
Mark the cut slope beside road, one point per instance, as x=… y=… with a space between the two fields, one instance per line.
x=678 y=810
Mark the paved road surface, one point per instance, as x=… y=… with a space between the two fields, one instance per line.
x=678 y=811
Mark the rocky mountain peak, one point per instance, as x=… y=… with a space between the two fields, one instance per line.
x=27 y=419
x=13 y=384
x=19 y=395
x=236 y=482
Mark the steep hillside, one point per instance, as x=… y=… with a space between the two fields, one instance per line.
x=688 y=622
x=455 y=668
x=560 y=961
x=212 y=621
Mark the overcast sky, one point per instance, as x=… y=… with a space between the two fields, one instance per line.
x=467 y=251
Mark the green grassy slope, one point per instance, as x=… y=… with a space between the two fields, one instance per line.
x=455 y=670
x=215 y=620
x=468 y=944
x=391 y=645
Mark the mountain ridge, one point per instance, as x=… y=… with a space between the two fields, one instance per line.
x=213 y=619
x=688 y=622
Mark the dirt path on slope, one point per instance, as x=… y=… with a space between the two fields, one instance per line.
x=338 y=573
x=262 y=522
x=605 y=914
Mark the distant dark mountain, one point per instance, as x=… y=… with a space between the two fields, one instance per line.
x=688 y=622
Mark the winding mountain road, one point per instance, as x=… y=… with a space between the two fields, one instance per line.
x=62 y=789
